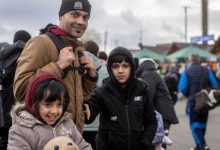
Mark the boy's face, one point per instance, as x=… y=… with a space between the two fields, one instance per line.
x=50 y=112
x=121 y=71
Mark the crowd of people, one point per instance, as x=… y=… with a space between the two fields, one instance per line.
x=99 y=101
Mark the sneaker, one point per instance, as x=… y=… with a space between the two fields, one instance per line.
x=206 y=147
x=167 y=140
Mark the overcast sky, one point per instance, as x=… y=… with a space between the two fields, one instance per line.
x=161 y=21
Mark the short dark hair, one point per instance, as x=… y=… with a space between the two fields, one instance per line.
x=118 y=59
x=194 y=58
x=21 y=35
x=92 y=47
x=102 y=55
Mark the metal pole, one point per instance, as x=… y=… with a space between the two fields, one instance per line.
x=105 y=40
x=205 y=19
x=185 y=22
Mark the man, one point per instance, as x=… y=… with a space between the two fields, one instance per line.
x=192 y=80
x=7 y=71
x=41 y=55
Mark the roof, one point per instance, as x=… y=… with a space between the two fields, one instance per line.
x=146 y=53
x=184 y=53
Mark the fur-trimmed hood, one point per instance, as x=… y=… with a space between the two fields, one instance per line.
x=20 y=116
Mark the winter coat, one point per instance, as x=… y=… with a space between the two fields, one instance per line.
x=40 y=54
x=28 y=133
x=123 y=122
x=127 y=117
x=171 y=79
x=158 y=91
x=190 y=79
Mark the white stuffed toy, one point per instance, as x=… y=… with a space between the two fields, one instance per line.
x=61 y=143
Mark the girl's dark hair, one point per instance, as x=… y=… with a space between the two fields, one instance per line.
x=55 y=89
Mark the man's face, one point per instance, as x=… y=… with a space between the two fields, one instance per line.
x=74 y=22
x=121 y=71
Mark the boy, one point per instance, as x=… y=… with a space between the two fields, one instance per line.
x=127 y=117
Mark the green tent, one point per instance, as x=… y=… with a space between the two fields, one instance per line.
x=145 y=53
x=184 y=53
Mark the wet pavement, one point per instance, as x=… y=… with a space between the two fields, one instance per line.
x=181 y=134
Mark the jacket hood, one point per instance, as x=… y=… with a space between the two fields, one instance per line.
x=146 y=66
x=121 y=51
x=20 y=116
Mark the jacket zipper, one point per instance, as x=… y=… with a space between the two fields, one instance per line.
x=128 y=124
x=53 y=130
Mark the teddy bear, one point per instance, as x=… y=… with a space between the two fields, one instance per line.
x=61 y=143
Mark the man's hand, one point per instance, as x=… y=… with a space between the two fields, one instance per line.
x=88 y=64
x=66 y=57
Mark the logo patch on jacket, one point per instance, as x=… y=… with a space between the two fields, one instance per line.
x=113 y=118
x=138 y=98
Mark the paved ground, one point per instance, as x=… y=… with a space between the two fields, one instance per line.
x=181 y=134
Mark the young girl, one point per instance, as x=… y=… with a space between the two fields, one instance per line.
x=127 y=117
x=43 y=116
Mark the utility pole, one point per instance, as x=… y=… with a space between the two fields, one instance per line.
x=140 y=39
x=185 y=21
x=204 y=19
x=105 y=40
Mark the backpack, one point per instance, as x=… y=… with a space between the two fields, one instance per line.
x=8 y=63
x=8 y=59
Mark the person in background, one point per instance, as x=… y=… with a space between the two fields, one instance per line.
x=90 y=130
x=158 y=92
x=103 y=72
x=171 y=79
x=127 y=117
x=189 y=85
x=21 y=35
x=92 y=47
x=136 y=61
x=20 y=38
x=43 y=116
x=77 y=71
x=103 y=57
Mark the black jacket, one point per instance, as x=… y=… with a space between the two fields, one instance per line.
x=158 y=91
x=127 y=117
x=125 y=124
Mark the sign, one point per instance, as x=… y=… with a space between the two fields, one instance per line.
x=204 y=38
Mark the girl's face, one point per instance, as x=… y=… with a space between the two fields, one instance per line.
x=51 y=112
x=121 y=71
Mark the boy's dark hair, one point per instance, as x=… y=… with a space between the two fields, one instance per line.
x=55 y=89
x=92 y=47
x=102 y=55
x=118 y=55
x=118 y=59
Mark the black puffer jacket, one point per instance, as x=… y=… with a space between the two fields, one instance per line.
x=127 y=118
x=158 y=91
